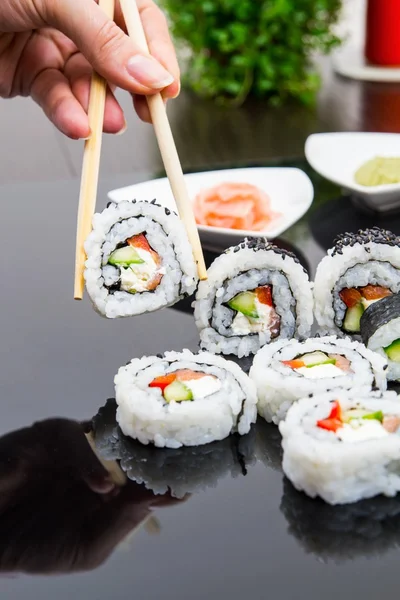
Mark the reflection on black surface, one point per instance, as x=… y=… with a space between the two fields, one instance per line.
x=60 y=511
x=365 y=529
x=340 y=215
x=182 y=471
x=269 y=444
x=185 y=305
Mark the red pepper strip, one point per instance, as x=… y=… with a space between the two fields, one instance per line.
x=163 y=381
x=330 y=424
x=334 y=421
x=264 y=295
x=294 y=364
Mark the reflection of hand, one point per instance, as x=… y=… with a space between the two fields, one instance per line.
x=59 y=509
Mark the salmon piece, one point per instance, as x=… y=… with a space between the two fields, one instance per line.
x=341 y=362
x=188 y=375
x=375 y=292
x=391 y=423
x=264 y=295
x=163 y=381
x=350 y=297
x=140 y=241
x=234 y=206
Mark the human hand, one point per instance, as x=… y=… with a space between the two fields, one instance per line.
x=48 y=49
x=59 y=510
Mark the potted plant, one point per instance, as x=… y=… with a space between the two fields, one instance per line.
x=262 y=48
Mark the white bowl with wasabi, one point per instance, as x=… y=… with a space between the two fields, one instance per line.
x=367 y=165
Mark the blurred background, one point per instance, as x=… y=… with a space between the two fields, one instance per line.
x=235 y=130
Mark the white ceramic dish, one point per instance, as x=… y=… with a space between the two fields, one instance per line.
x=349 y=62
x=337 y=156
x=290 y=190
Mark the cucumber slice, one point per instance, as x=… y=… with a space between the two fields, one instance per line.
x=123 y=257
x=393 y=351
x=177 y=392
x=245 y=302
x=376 y=416
x=351 y=321
x=359 y=413
x=314 y=359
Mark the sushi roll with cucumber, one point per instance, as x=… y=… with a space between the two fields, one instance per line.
x=359 y=270
x=139 y=259
x=380 y=331
x=343 y=446
x=184 y=399
x=255 y=293
x=288 y=370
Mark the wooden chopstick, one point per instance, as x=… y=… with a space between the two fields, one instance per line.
x=166 y=142
x=90 y=166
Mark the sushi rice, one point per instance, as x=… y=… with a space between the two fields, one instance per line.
x=221 y=401
x=343 y=459
x=368 y=258
x=279 y=384
x=117 y=291
x=241 y=271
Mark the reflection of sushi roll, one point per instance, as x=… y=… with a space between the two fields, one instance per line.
x=360 y=269
x=380 y=331
x=184 y=399
x=269 y=445
x=368 y=528
x=255 y=293
x=138 y=259
x=178 y=471
x=288 y=370
x=343 y=446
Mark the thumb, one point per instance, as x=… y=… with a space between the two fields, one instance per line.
x=109 y=50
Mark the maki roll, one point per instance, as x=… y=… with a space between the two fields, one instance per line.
x=359 y=270
x=179 y=471
x=139 y=259
x=343 y=446
x=288 y=370
x=184 y=399
x=255 y=293
x=380 y=331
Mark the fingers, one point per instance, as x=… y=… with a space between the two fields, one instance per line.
x=160 y=44
x=79 y=73
x=52 y=91
x=108 y=49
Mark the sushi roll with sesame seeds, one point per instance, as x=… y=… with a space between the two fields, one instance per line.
x=288 y=370
x=255 y=293
x=139 y=259
x=380 y=331
x=359 y=270
x=184 y=399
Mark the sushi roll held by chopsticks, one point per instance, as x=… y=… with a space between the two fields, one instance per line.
x=91 y=158
x=139 y=260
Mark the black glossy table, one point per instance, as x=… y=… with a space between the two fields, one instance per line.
x=249 y=536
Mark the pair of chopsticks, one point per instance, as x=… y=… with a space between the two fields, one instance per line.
x=92 y=151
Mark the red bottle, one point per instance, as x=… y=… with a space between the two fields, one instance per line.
x=382 y=45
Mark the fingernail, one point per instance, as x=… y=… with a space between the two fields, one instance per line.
x=147 y=71
x=122 y=131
